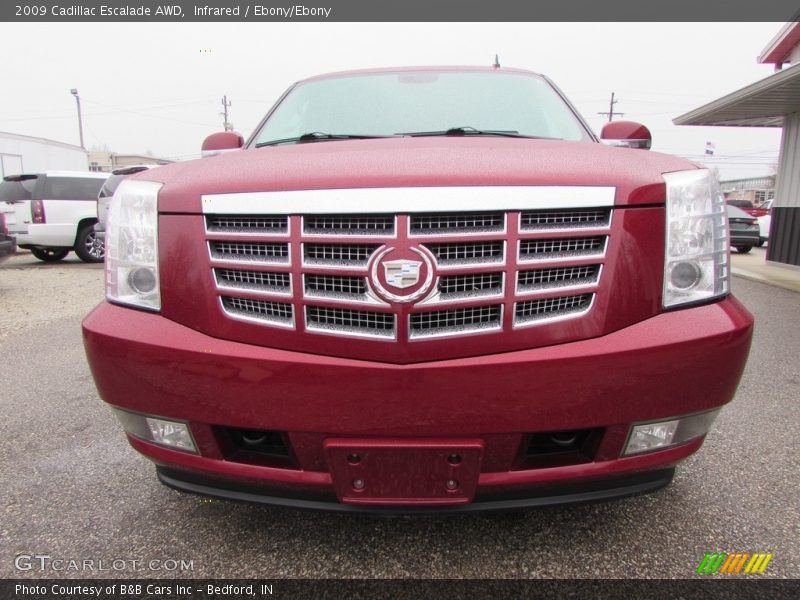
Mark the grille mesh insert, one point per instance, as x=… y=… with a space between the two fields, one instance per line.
x=564 y=219
x=256 y=280
x=347 y=225
x=561 y=247
x=339 y=254
x=467 y=284
x=247 y=224
x=467 y=252
x=451 y=321
x=545 y=278
x=345 y=320
x=444 y=224
x=251 y=251
x=533 y=310
x=279 y=312
x=336 y=284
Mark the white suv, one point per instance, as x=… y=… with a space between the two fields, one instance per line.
x=55 y=212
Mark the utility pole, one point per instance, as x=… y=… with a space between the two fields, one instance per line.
x=74 y=92
x=611 y=112
x=225 y=104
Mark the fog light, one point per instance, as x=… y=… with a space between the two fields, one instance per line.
x=173 y=434
x=662 y=434
x=651 y=436
x=170 y=433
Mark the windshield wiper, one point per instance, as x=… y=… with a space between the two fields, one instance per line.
x=316 y=136
x=459 y=131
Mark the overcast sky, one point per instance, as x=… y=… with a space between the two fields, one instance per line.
x=158 y=86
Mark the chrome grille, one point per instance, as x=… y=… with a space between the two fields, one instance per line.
x=348 y=225
x=456 y=223
x=345 y=321
x=343 y=255
x=448 y=322
x=245 y=224
x=327 y=271
x=253 y=280
x=548 y=249
x=335 y=285
x=549 y=308
x=250 y=252
x=467 y=252
x=540 y=279
x=564 y=219
x=279 y=313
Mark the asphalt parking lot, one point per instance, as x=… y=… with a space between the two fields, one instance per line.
x=72 y=489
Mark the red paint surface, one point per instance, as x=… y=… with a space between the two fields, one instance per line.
x=410 y=162
x=676 y=363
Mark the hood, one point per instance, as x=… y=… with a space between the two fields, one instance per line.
x=417 y=162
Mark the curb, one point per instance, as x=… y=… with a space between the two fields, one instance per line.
x=751 y=276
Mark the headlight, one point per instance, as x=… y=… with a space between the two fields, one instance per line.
x=696 y=261
x=132 y=245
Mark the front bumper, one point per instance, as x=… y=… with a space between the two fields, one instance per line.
x=583 y=491
x=744 y=238
x=677 y=363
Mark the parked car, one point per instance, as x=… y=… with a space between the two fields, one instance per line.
x=744 y=230
x=748 y=207
x=54 y=213
x=760 y=210
x=742 y=204
x=764 y=223
x=8 y=245
x=107 y=192
x=419 y=289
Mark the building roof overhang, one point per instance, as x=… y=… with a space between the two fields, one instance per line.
x=761 y=104
x=780 y=47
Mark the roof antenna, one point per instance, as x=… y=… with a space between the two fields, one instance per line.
x=496 y=64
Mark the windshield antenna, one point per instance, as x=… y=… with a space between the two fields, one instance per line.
x=496 y=64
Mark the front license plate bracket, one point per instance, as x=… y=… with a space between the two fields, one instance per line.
x=403 y=471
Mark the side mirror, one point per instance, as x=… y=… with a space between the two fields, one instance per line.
x=626 y=134
x=224 y=141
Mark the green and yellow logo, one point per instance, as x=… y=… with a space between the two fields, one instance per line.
x=740 y=562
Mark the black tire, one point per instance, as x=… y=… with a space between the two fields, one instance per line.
x=88 y=246
x=743 y=249
x=50 y=254
x=761 y=242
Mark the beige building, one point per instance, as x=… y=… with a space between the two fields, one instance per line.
x=755 y=189
x=106 y=162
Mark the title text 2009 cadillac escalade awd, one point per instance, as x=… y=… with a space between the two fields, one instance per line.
x=424 y=289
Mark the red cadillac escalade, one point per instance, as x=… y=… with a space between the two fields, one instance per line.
x=419 y=289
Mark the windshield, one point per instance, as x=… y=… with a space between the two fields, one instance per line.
x=422 y=102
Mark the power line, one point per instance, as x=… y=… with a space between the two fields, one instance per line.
x=115 y=109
